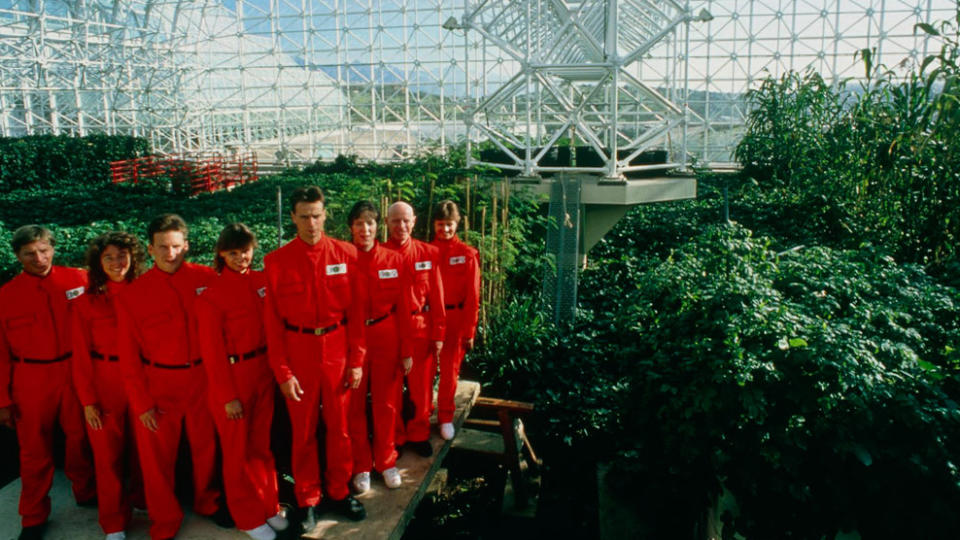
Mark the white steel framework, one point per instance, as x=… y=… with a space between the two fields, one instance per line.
x=302 y=79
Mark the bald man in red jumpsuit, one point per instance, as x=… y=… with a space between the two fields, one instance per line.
x=167 y=387
x=316 y=349
x=35 y=378
x=429 y=320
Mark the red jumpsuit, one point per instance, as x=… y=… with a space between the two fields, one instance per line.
x=386 y=314
x=234 y=348
x=314 y=332
x=428 y=325
x=97 y=377
x=160 y=360
x=35 y=377
x=460 y=270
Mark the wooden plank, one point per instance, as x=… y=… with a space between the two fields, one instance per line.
x=510 y=405
x=389 y=511
x=484 y=442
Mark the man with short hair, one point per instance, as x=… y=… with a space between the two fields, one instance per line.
x=429 y=320
x=35 y=378
x=315 y=345
x=160 y=358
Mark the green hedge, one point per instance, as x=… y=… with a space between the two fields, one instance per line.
x=46 y=161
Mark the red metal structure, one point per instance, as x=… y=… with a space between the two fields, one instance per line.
x=188 y=174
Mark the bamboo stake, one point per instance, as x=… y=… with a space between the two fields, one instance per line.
x=466 y=197
x=483 y=236
x=433 y=184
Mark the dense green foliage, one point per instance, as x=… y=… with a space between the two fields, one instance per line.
x=875 y=161
x=48 y=161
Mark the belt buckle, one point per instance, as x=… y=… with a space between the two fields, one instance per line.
x=318 y=331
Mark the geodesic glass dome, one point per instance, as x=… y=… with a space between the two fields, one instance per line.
x=307 y=79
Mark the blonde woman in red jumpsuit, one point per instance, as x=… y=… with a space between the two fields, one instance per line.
x=240 y=386
x=387 y=320
x=114 y=259
x=35 y=383
x=460 y=273
x=315 y=346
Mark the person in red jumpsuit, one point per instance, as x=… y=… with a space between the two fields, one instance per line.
x=240 y=386
x=429 y=320
x=167 y=387
x=315 y=346
x=460 y=273
x=114 y=260
x=386 y=314
x=35 y=383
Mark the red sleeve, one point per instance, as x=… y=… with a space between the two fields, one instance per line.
x=471 y=303
x=438 y=311
x=220 y=382
x=405 y=312
x=81 y=363
x=6 y=368
x=356 y=330
x=273 y=325
x=133 y=374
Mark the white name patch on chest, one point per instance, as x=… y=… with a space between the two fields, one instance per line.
x=458 y=260
x=73 y=293
x=262 y=292
x=423 y=265
x=200 y=290
x=389 y=273
x=336 y=269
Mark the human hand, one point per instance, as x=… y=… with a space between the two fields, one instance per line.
x=291 y=389
x=234 y=410
x=356 y=375
x=407 y=365
x=151 y=420
x=92 y=414
x=8 y=417
x=468 y=345
x=437 y=346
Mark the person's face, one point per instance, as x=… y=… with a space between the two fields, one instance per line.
x=115 y=262
x=168 y=250
x=400 y=224
x=36 y=257
x=238 y=259
x=364 y=231
x=309 y=218
x=444 y=229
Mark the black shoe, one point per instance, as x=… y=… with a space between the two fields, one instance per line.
x=349 y=508
x=307 y=517
x=422 y=448
x=222 y=517
x=88 y=503
x=33 y=532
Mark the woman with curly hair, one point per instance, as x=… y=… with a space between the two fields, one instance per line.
x=114 y=259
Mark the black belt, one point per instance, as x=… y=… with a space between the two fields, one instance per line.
x=314 y=331
x=235 y=358
x=189 y=364
x=106 y=358
x=424 y=309
x=60 y=358
x=454 y=306
x=371 y=322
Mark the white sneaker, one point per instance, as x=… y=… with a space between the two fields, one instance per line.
x=278 y=522
x=120 y=535
x=263 y=532
x=391 y=477
x=361 y=482
x=446 y=431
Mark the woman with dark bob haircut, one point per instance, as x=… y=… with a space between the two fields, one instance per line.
x=240 y=383
x=114 y=259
